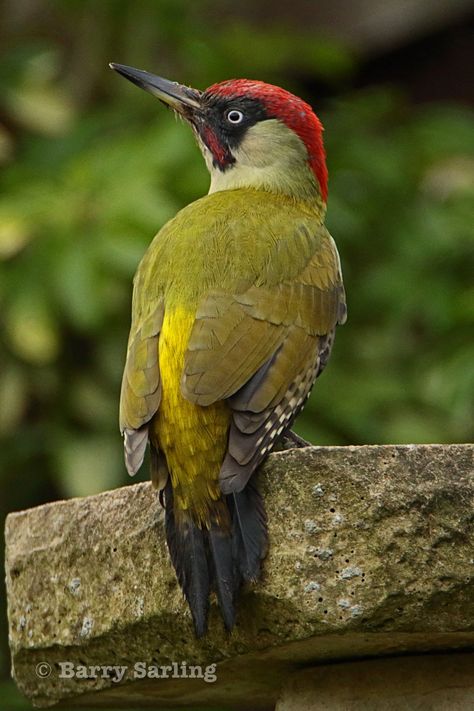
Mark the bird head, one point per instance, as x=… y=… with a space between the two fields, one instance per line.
x=251 y=134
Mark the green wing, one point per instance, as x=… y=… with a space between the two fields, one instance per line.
x=261 y=350
x=141 y=392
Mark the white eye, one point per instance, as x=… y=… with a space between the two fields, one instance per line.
x=233 y=116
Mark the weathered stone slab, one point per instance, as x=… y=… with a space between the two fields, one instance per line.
x=372 y=553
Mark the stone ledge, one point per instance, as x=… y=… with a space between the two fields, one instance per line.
x=436 y=682
x=372 y=554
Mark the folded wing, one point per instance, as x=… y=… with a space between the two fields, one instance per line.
x=261 y=351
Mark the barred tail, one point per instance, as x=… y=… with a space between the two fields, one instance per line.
x=218 y=558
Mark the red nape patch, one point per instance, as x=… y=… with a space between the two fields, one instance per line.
x=293 y=111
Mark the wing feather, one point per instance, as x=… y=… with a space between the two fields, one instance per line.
x=141 y=389
x=262 y=349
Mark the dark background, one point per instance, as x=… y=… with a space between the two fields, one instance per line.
x=91 y=167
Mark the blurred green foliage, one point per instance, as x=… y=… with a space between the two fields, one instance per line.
x=92 y=167
x=78 y=210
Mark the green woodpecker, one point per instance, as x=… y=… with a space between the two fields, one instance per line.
x=234 y=309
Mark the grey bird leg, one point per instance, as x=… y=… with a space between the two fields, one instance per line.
x=290 y=440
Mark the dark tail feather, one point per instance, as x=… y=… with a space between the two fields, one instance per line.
x=187 y=547
x=225 y=575
x=224 y=555
x=249 y=531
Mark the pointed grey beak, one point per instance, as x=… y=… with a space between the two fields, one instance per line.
x=180 y=98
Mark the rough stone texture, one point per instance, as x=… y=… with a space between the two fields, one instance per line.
x=425 y=683
x=372 y=553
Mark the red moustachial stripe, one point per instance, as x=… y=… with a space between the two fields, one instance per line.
x=293 y=111
x=216 y=148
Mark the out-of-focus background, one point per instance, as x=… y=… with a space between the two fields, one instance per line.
x=91 y=167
